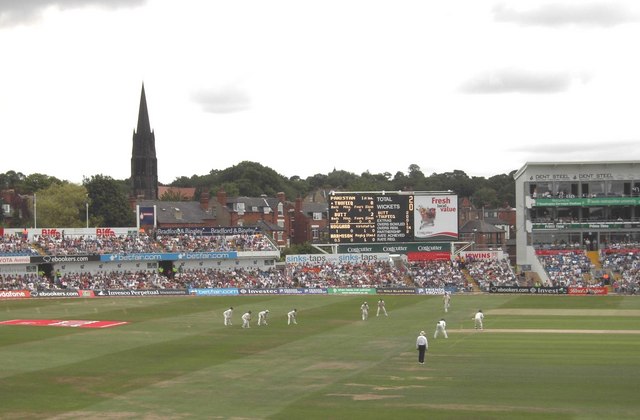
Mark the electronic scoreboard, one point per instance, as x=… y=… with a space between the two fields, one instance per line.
x=391 y=217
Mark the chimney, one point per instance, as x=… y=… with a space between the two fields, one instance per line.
x=222 y=197
x=281 y=197
x=204 y=201
x=298 y=205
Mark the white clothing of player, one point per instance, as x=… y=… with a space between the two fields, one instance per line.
x=447 y=301
x=246 y=317
x=262 y=317
x=382 y=308
x=291 y=317
x=478 y=318
x=364 y=308
x=441 y=328
x=227 y=316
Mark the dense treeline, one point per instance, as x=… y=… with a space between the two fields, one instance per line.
x=103 y=201
x=251 y=179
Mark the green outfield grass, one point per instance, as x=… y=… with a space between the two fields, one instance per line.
x=176 y=359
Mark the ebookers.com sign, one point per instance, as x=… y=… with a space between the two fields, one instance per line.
x=63 y=258
x=529 y=290
x=55 y=293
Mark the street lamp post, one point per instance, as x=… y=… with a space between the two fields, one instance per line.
x=87 y=208
x=35 y=211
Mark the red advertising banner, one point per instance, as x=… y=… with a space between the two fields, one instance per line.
x=428 y=256
x=14 y=294
x=587 y=291
x=558 y=251
x=621 y=251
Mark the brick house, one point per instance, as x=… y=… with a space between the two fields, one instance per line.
x=15 y=207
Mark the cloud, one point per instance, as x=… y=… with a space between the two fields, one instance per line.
x=604 y=14
x=520 y=81
x=223 y=100
x=16 y=12
x=582 y=151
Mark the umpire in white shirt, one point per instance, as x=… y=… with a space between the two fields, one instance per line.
x=422 y=345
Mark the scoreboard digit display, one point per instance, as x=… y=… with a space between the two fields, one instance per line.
x=391 y=217
x=356 y=218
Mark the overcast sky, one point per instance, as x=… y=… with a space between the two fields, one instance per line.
x=307 y=87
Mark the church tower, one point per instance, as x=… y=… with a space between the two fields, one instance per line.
x=144 y=165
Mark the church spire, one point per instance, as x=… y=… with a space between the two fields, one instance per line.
x=144 y=164
x=144 y=127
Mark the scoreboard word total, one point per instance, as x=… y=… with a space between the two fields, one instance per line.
x=375 y=217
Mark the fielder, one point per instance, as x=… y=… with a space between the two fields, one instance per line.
x=446 y=299
x=382 y=308
x=364 y=308
x=262 y=317
x=478 y=318
x=291 y=317
x=246 y=317
x=441 y=328
x=227 y=316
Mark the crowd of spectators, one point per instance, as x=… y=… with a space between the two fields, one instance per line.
x=571 y=268
x=620 y=263
x=133 y=244
x=624 y=263
x=439 y=274
x=487 y=273
x=16 y=245
x=568 y=269
x=239 y=277
x=374 y=274
x=377 y=274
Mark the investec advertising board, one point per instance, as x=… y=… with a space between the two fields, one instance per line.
x=392 y=217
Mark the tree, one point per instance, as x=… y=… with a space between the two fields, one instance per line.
x=108 y=202
x=505 y=186
x=61 y=206
x=370 y=182
x=11 y=180
x=485 y=197
x=36 y=182
x=417 y=180
x=172 y=196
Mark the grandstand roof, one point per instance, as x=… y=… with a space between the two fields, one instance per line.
x=179 y=212
x=479 y=226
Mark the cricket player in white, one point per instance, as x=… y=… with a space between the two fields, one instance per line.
x=447 y=301
x=262 y=317
x=381 y=308
x=364 y=308
x=441 y=328
x=478 y=318
x=227 y=316
x=291 y=317
x=246 y=317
